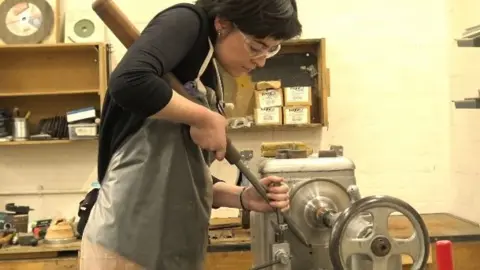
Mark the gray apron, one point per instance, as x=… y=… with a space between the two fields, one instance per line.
x=154 y=206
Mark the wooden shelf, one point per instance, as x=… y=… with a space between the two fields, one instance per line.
x=43 y=142
x=51 y=46
x=42 y=107
x=48 y=80
x=275 y=128
x=35 y=70
x=48 y=93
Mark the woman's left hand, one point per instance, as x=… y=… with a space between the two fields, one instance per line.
x=277 y=192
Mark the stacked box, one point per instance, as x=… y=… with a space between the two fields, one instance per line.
x=268 y=103
x=297 y=105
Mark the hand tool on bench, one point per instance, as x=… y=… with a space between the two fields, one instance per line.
x=127 y=33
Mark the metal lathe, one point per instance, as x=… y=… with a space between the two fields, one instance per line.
x=342 y=229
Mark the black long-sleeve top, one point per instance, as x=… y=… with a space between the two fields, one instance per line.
x=176 y=40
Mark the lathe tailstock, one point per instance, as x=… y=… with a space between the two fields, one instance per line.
x=344 y=230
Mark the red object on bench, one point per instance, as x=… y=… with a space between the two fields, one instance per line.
x=444 y=255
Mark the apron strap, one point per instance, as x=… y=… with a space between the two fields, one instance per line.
x=207 y=60
x=219 y=88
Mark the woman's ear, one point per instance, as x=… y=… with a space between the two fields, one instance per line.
x=223 y=26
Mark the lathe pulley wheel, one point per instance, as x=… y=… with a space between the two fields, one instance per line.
x=379 y=245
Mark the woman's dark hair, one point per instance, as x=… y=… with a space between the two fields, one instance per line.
x=259 y=18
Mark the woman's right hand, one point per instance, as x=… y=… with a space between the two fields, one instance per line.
x=211 y=134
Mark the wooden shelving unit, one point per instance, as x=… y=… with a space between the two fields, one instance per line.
x=50 y=79
x=43 y=142
x=275 y=128
x=306 y=59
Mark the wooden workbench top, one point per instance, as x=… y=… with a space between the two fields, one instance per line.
x=441 y=227
x=40 y=248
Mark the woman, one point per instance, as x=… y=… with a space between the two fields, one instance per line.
x=155 y=147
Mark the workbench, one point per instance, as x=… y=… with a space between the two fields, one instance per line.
x=234 y=253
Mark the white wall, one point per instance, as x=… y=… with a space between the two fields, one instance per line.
x=389 y=106
x=465 y=146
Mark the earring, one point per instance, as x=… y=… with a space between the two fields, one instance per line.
x=219 y=33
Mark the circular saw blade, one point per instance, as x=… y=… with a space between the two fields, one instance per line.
x=84 y=28
x=25 y=21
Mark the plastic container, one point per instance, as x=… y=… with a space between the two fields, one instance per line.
x=82 y=131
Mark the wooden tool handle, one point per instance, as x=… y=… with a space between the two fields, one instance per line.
x=116 y=21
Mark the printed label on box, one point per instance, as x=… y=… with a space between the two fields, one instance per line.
x=85 y=131
x=299 y=95
x=297 y=116
x=269 y=98
x=268 y=116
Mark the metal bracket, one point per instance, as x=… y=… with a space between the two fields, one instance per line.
x=468 y=103
x=470 y=37
x=338 y=149
x=246 y=155
x=281 y=258
x=279 y=230
x=281 y=253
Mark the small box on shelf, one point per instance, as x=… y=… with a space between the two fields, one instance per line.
x=298 y=96
x=82 y=131
x=269 y=98
x=297 y=115
x=268 y=116
x=265 y=85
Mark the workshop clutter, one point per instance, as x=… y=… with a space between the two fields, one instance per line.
x=79 y=124
x=15 y=229
x=275 y=105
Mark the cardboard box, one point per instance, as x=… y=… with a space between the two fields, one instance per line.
x=298 y=96
x=265 y=85
x=269 y=98
x=297 y=115
x=268 y=116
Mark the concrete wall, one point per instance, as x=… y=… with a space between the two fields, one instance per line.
x=390 y=108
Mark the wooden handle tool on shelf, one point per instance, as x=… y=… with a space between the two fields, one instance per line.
x=127 y=33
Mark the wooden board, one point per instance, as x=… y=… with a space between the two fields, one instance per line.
x=45 y=264
x=41 y=248
x=41 y=257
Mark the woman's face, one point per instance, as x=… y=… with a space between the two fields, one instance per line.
x=239 y=53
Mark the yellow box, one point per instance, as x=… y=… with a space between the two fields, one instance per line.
x=265 y=85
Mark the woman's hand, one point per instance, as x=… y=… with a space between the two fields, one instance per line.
x=211 y=134
x=278 y=193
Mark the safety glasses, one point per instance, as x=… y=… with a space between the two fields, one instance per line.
x=258 y=50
